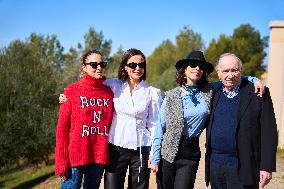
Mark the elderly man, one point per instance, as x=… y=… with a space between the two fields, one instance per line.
x=241 y=134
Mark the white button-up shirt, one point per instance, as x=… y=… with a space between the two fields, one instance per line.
x=135 y=115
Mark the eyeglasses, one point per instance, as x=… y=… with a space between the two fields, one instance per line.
x=134 y=65
x=94 y=65
x=194 y=64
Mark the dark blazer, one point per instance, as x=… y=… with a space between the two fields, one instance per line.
x=256 y=134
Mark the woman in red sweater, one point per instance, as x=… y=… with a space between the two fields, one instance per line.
x=83 y=125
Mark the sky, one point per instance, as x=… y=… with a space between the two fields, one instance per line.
x=142 y=24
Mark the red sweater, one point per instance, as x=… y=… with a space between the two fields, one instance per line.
x=83 y=124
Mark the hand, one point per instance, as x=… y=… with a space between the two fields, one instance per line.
x=62 y=98
x=63 y=176
x=154 y=168
x=265 y=178
x=259 y=88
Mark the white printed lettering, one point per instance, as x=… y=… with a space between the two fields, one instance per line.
x=85 y=131
x=97 y=116
x=84 y=100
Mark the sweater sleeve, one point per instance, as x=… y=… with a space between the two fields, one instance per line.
x=62 y=136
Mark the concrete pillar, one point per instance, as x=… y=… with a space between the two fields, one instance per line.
x=275 y=75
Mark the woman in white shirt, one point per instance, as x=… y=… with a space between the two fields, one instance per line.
x=136 y=114
x=136 y=105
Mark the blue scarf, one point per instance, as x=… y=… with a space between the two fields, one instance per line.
x=192 y=90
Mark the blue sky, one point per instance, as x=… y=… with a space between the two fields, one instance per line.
x=143 y=24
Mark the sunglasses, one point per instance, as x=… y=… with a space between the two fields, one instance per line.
x=94 y=65
x=133 y=65
x=194 y=64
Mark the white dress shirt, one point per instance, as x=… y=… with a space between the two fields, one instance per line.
x=135 y=115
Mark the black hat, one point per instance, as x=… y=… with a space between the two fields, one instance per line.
x=195 y=56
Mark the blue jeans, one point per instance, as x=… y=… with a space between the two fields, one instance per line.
x=92 y=177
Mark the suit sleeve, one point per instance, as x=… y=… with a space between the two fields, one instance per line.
x=62 y=136
x=268 y=134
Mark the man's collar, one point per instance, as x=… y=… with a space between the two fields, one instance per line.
x=232 y=93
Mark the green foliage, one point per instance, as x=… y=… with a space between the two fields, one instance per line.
x=161 y=63
x=246 y=43
x=71 y=71
x=95 y=40
x=114 y=63
x=28 y=102
x=33 y=73
x=161 y=59
x=72 y=59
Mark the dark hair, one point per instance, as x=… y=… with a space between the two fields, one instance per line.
x=181 y=77
x=122 y=73
x=85 y=55
x=84 y=58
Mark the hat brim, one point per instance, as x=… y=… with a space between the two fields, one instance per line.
x=209 y=66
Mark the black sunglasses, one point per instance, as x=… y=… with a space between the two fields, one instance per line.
x=94 y=65
x=194 y=64
x=133 y=65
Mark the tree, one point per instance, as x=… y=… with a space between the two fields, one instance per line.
x=249 y=47
x=32 y=74
x=95 y=40
x=161 y=63
x=215 y=49
x=114 y=63
x=48 y=48
x=246 y=43
x=71 y=71
x=29 y=75
x=160 y=60
x=186 y=41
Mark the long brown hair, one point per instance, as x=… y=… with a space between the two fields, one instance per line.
x=122 y=73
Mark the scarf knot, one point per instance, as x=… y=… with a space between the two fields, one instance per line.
x=192 y=90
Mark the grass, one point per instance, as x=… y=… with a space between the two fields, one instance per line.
x=280 y=152
x=25 y=177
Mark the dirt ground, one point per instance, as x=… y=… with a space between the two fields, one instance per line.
x=277 y=181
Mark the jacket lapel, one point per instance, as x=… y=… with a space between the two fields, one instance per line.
x=216 y=97
x=245 y=98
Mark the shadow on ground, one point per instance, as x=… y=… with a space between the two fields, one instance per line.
x=34 y=182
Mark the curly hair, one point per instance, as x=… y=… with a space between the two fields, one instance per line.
x=181 y=77
x=122 y=73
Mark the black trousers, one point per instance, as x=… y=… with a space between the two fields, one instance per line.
x=181 y=173
x=159 y=176
x=120 y=160
x=226 y=177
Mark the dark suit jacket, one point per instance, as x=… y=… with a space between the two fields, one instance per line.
x=256 y=132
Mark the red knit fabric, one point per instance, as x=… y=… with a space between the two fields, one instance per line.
x=83 y=124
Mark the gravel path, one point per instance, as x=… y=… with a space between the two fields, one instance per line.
x=276 y=183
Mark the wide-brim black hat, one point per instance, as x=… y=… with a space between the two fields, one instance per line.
x=198 y=57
